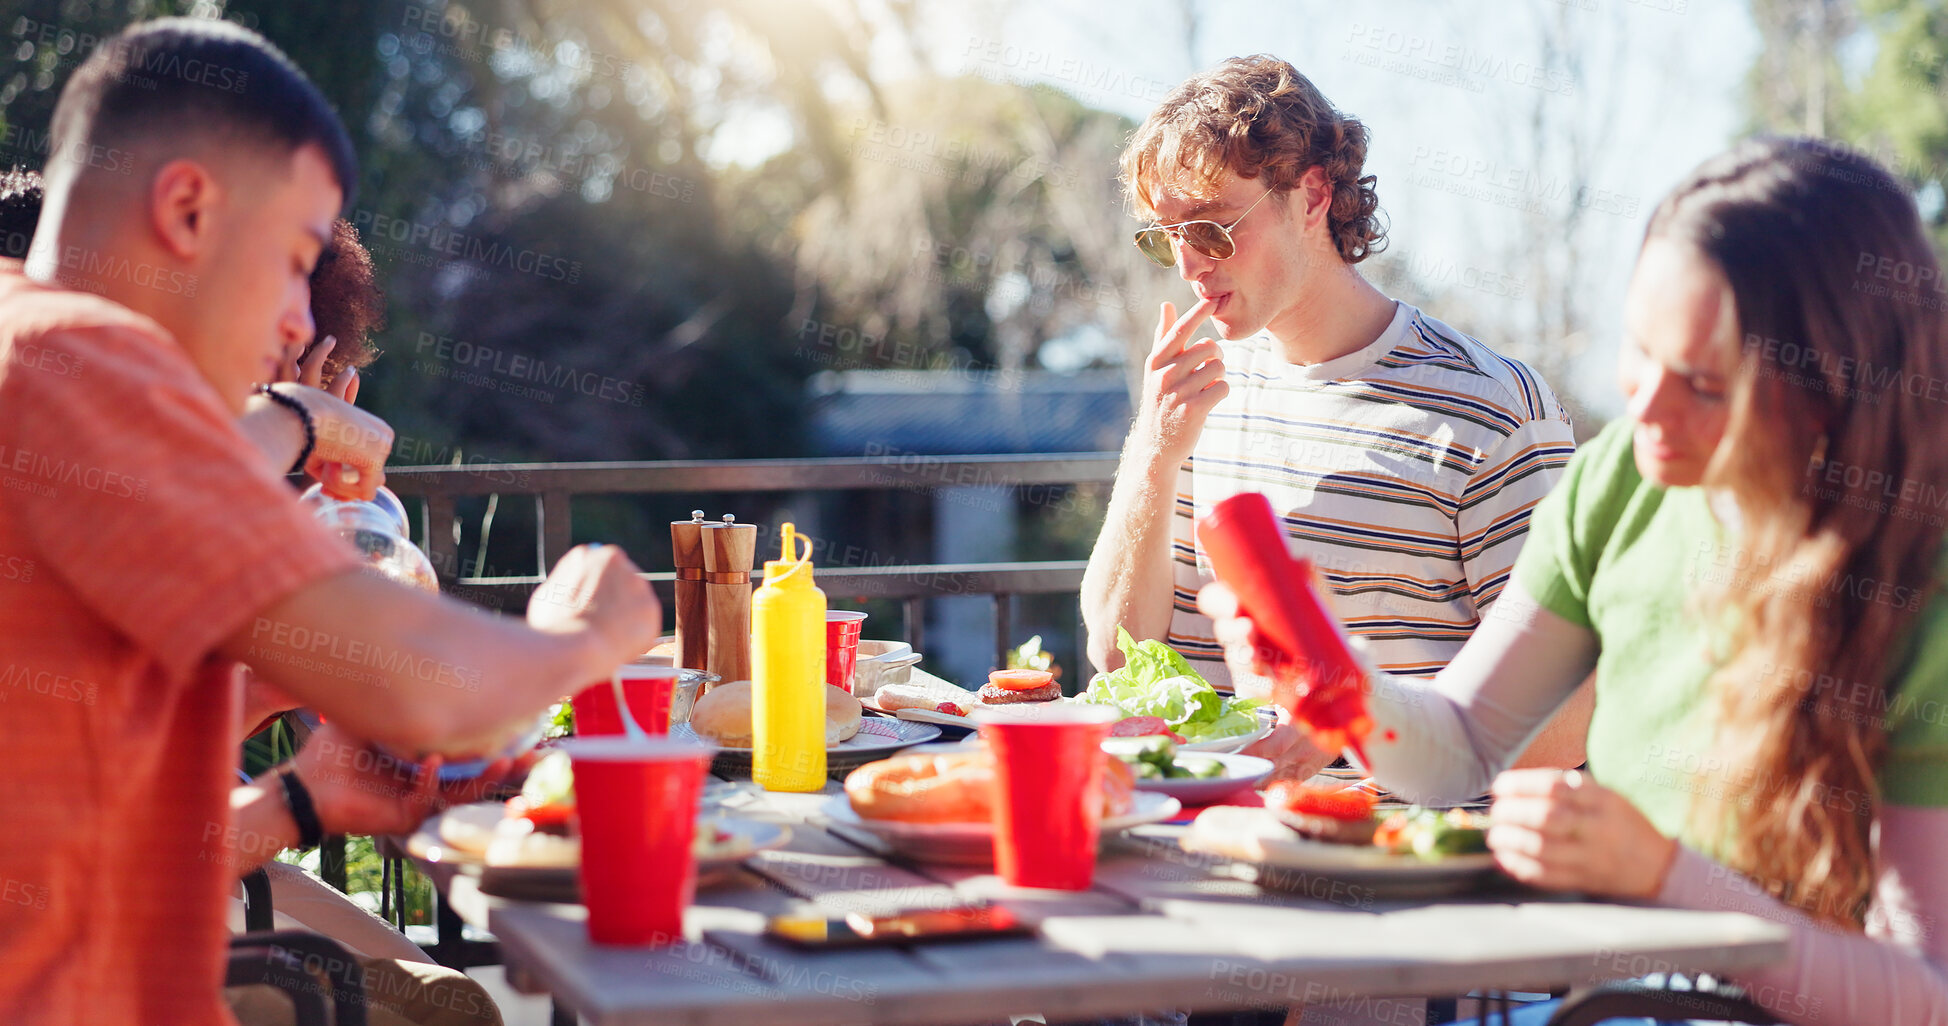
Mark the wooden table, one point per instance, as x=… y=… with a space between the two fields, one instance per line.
x=1161 y=929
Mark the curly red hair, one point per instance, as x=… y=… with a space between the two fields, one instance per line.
x=1257 y=117
x=346 y=302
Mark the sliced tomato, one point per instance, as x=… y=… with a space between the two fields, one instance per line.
x=551 y=815
x=1391 y=832
x=1144 y=726
x=1139 y=726
x=1020 y=680
x=1347 y=804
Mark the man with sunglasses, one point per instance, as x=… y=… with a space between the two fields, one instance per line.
x=1403 y=455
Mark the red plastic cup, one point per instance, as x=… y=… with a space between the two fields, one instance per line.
x=1048 y=771
x=649 y=691
x=637 y=803
x=842 y=627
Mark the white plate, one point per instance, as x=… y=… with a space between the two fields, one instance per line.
x=1267 y=719
x=877 y=738
x=927 y=715
x=1281 y=857
x=972 y=844
x=1240 y=772
x=558 y=883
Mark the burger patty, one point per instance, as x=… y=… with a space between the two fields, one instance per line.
x=1325 y=828
x=993 y=695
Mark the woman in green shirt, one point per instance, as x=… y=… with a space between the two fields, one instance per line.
x=1750 y=562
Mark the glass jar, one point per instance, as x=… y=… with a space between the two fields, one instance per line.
x=378 y=531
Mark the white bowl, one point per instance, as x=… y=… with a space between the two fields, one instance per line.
x=1240 y=772
x=882 y=663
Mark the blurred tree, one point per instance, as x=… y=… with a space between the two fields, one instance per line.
x=604 y=224
x=1796 y=85
x=1894 y=105
x=977 y=222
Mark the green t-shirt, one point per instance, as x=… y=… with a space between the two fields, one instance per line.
x=1622 y=556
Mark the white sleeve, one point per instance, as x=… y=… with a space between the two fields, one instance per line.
x=1443 y=740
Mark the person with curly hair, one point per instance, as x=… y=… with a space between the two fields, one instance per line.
x=347 y=306
x=1403 y=455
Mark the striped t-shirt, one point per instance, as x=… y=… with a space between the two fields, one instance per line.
x=1405 y=471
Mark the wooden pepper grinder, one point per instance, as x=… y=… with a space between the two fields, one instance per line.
x=692 y=604
x=728 y=549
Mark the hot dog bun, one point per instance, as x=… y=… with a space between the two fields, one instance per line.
x=954 y=787
x=944 y=698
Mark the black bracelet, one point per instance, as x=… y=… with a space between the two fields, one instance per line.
x=303 y=813
x=304 y=417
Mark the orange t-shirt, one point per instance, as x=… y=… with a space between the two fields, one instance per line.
x=138 y=530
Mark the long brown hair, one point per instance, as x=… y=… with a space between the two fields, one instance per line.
x=1836 y=457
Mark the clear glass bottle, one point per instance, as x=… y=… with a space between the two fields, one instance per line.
x=378 y=530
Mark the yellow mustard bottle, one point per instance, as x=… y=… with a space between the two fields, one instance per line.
x=788 y=673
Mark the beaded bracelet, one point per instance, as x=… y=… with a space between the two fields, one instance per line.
x=304 y=417
x=298 y=800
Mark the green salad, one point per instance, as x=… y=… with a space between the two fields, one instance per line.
x=1156 y=758
x=1156 y=681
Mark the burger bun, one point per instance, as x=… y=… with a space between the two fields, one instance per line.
x=724 y=715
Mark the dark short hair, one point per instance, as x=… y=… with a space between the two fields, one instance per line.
x=177 y=77
x=20 y=210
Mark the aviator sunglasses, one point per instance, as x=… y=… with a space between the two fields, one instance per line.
x=1207 y=237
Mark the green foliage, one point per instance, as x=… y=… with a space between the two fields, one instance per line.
x=1901 y=107
x=365 y=877
x=1896 y=108
x=569 y=277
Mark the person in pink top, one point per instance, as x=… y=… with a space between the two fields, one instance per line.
x=148 y=541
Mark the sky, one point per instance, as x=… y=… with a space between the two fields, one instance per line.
x=1452 y=92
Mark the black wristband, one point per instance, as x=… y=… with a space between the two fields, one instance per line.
x=304 y=417
x=303 y=813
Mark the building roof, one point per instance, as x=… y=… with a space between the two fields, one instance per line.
x=954 y=413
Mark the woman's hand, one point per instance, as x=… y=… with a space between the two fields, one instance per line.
x=1243 y=656
x=1560 y=830
x=308 y=368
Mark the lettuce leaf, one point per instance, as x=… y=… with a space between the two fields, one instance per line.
x=1155 y=680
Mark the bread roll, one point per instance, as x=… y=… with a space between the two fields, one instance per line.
x=843 y=714
x=724 y=715
x=954 y=787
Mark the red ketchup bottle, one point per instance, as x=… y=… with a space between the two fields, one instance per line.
x=1314 y=674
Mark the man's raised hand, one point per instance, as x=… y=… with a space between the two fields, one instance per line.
x=1181 y=383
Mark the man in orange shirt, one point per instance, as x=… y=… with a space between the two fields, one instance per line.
x=147 y=543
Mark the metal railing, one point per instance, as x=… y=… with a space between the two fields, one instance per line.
x=554 y=486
